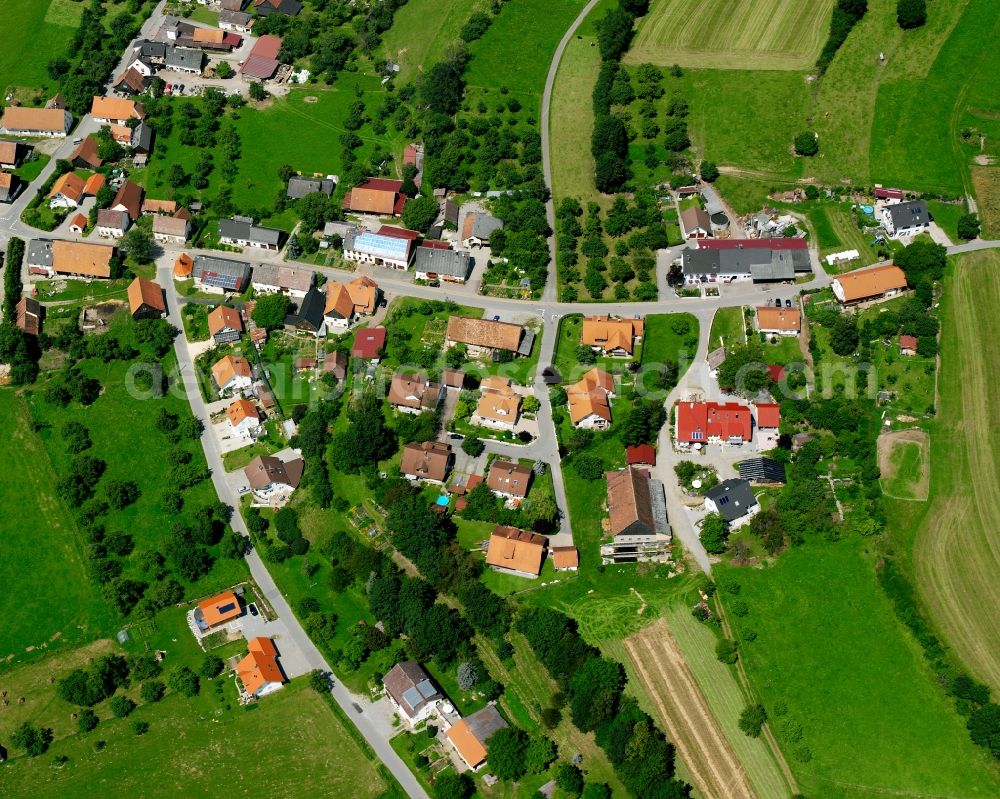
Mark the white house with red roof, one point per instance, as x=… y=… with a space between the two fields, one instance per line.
x=768 y=421
x=712 y=423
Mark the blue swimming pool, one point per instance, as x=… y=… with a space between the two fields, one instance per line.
x=868 y=209
x=442 y=500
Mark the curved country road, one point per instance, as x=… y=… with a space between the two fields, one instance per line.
x=549 y=294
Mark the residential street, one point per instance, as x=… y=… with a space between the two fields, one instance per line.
x=375 y=719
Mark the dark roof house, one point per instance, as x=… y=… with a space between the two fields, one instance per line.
x=732 y=499
x=299 y=187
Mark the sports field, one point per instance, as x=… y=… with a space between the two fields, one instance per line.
x=955 y=555
x=732 y=34
x=46 y=27
x=292 y=743
x=832 y=663
x=40 y=549
x=904 y=464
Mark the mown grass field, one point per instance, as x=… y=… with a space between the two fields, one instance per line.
x=36 y=32
x=726 y=699
x=423 y=30
x=571 y=118
x=292 y=742
x=517 y=49
x=907 y=463
x=727 y=328
x=830 y=648
x=756 y=34
x=897 y=123
x=40 y=550
x=955 y=556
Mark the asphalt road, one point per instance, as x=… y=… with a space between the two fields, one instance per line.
x=372 y=721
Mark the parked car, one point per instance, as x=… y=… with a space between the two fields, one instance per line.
x=788 y=303
x=434 y=284
x=777 y=303
x=496 y=317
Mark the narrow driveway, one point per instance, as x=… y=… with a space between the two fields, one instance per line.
x=372 y=720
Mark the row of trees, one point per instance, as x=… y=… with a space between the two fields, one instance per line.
x=846 y=14
x=17 y=349
x=593 y=685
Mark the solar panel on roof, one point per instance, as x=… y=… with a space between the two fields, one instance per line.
x=426 y=688
x=227 y=607
x=382 y=246
x=412 y=697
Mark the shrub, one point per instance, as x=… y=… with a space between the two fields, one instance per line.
x=152 y=691
x=911 y=13
x=725 y=651
x=752 y=720
x=211 y=666
x=806 y=143
x=121 y=706
x=589 y=467
x=86 y=720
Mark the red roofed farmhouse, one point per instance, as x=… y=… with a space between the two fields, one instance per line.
x=713 y=423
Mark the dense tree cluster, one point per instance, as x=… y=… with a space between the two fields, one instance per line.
x=911 y=13
x=593 y=686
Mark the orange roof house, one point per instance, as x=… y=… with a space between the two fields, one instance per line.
x=183 y=266
x=590 y=399
x=516 y=551
x=46 y=121
x=82 y=258
x=364 y=294
x=499 y=404
x=69 y=185
x=145 y=299
x=509 y=479
x=483 y=334
x=869 y=284
x=259 y=671
x=339 y=305
x=565 y=558
x=242 y=413
x=217 y=611
x=611 y=336
x=94 y=184
x=232 y=368
x=705 y=422
x=783 y=321
x=768 y=415
x=78 y=223
x=224 y=324
x=471 y=735
x=116 y=109
x=908 y=345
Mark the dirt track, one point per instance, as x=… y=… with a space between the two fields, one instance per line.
x=701 y=744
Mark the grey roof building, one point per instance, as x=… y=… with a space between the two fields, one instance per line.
x=479 y=226
x=185 y=59
x=760 y=263
x=39 y=252
x=142 y=138
x=732 y=499
x=341 y=229
x=309 y=315
x=446 y=263
x=221 y=272
x=410 y=689
x=148 y=49
x=908 y=215
x=299 y=187
x=241 y=232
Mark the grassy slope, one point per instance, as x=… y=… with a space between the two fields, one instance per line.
x=830 y=647
x=727 y=328
x=726 y=699
x=292 y=742
x=23 y=57
x=517 y=48
x=572 y=119
x=766 y=34
x=422 y=30
x=40 y=547
x=955 y=551
x=125 y=437
x=894 y=123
